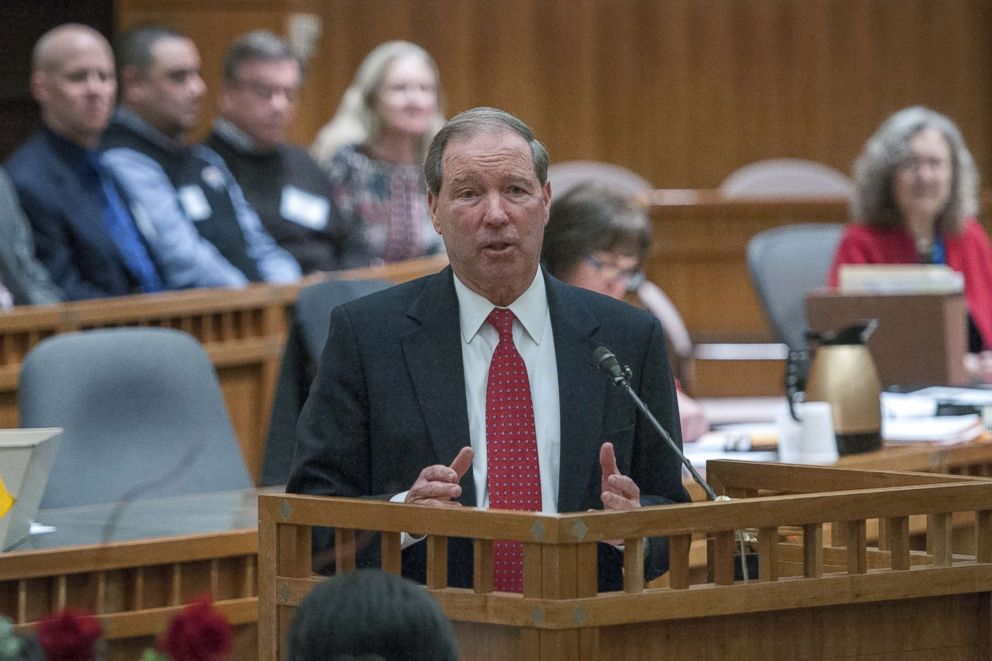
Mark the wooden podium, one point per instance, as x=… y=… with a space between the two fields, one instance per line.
x=921 y=338
x=822 y=591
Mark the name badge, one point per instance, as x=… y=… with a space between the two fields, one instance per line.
x=194 y=202
x=304 y=208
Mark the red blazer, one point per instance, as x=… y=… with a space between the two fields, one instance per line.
x=969 y=253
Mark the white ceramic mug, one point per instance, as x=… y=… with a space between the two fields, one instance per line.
x=811 y=440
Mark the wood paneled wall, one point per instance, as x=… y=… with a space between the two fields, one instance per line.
x=681 y=91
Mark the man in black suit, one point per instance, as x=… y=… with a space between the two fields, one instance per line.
x=400 y=408
x=84 y=226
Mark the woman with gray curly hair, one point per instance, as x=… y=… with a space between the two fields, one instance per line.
x=916 y=203
x=373 y=151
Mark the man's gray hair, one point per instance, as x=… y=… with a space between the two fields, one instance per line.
x=472 y=122
x=874 y=170
x=259 y=45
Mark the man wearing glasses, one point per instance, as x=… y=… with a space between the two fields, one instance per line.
x=262 y=77
x=201 y=229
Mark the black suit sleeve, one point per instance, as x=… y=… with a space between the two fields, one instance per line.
x=52 y=244
x=332 y=456
x=655 y=469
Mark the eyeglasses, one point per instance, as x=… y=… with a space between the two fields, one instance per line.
x=265 y=91
x=913 y=163
x=631 y=277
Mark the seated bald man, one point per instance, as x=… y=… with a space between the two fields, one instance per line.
x=85 y=226
x=411 y=385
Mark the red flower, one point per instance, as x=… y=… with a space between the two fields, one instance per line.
x=198 y=633
x=69 y=635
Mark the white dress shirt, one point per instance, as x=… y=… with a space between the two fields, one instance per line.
x=535 y=342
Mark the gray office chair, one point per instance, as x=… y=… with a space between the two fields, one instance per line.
x=787 y=177
x=307 y=336
x=567 y=175
x=142 y=412
x=785 y=263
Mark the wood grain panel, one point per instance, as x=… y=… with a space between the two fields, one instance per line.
x=681 y=91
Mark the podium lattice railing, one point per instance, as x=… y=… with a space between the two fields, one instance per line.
x=814 y=531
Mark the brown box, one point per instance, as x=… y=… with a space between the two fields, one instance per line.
x=921 y=339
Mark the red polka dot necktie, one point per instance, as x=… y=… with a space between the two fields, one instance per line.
x=511 y=447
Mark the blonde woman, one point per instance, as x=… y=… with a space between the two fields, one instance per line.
x=373 y=151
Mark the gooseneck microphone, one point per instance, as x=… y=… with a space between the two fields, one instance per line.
x=606 y=362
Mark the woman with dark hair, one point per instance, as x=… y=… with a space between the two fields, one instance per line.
x=598 y=239
x=916 y=204
x=370 y=615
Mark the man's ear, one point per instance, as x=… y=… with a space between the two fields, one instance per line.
x=130 y=83
x=546 y=191
x=224 y=101
x=432 y=206
x=39 y=86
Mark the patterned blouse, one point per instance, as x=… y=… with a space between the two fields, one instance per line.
x=388 y=199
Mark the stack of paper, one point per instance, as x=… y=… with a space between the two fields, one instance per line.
x=900 y=279
x=939 y=429
x=751 y=442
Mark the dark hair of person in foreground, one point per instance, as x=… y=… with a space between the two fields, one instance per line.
x=369 y=615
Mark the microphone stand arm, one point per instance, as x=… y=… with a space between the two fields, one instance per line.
x=623 y=381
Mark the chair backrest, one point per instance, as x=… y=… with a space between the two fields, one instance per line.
x=786 y=177
x=567 y=175
x=315 y=303
x=307 y=336
x=142 y=412
x=785 y=263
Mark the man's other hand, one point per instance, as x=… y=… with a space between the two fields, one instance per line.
x=438 y=486
x=619 y=492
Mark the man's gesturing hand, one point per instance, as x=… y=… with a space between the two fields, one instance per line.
x=437 y=485
x=619 y=492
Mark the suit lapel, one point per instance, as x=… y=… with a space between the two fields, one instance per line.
x=87 y=218
x=433 y=355
x=581 y=394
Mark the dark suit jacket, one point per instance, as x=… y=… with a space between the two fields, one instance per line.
x=71 y=237
x=389 y=400
x=306 y=339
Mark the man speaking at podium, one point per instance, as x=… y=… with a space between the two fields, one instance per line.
x=476 y=386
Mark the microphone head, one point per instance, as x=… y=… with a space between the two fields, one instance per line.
x=606 y=362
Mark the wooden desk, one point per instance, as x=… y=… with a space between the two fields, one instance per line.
x=136 y=565
x=974 y=458
x=700 y=252
x=700 y=260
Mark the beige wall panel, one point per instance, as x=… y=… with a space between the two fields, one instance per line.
x=682 y=91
